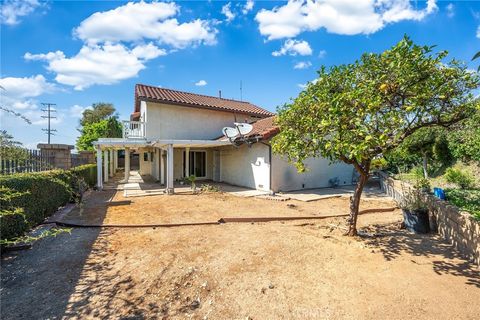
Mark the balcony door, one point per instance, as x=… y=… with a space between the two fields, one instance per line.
x=197 y=163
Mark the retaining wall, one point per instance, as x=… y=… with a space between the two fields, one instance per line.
x=458 y=228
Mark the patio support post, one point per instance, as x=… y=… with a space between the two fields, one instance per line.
x=156 y=164
x=115 y=160
x=111 y=165
x=162 y=168
x=127 y=164
x=170 y=188
x=187 y=162
x=99 y=169
x=105 y=165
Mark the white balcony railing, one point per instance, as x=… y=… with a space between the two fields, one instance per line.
x=134 y=129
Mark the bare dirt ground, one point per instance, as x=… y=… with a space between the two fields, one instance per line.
x=275 y=270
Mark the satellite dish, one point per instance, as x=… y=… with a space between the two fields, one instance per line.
x=244 y=128
x=230 y=133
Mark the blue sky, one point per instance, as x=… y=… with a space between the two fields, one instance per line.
x=75 y=53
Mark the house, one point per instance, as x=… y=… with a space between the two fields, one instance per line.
x=178 y=134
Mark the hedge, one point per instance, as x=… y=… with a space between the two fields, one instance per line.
x=26 y=199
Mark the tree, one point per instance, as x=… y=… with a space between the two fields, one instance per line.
x=106 y=128
x=357 y=112
x=11 y=149
x=464 y=139
x=99 y=111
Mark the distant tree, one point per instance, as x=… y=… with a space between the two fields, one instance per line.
x=99 y=111
x=464 y=139
x=106 y=128
x=357 y=112
x=11 y=149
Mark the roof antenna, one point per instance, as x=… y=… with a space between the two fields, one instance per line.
x=220 y=94
x=241 y=91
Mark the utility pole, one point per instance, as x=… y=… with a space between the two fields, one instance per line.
x=241 y=91
x=49 y=116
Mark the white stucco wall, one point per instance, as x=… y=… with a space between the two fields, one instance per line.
x=285 y=176
x=246 y=167
x=179 y=122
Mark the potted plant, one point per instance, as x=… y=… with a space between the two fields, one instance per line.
x=192 y=180
x=415 y=211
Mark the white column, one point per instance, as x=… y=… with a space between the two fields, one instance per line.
x=170 y=188
x=99 y=169
x=156 y=163
x=115 y=160
x=187 y=162
x=105 y=165
x=127 y=164
x=162 y=168
x=111 y=173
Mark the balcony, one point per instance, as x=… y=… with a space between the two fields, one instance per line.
x=134 y=129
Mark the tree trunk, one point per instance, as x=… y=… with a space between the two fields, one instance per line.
x=425 y=162
x=355 y=205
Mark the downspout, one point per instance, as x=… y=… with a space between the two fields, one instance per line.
x=271 y=164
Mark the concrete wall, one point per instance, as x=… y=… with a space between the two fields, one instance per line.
x=458 y=228
x=246 y=167
x=285 y=176
x=179 y=122
x=60 y=154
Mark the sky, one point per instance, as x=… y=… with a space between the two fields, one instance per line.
x=75 y=53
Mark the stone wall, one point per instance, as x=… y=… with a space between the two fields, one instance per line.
x=59 y=153
x=458 y=228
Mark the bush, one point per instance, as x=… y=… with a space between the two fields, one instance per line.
x=87 y=172
x=38 y=194
x=468 y=200
x=12 y=223
x=458 y=177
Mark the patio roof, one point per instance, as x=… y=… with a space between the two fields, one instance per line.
x=120 y=143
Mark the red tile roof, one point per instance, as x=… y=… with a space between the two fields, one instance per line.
x=168 y=96
x=263 y=129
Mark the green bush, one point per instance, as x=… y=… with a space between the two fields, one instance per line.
x=458 y=177
x=468 y=200
x=26 y=199
x=12 y=223
x=87 y=172
x=41 y=194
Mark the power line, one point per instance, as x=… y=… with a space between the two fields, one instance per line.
x=49 y=116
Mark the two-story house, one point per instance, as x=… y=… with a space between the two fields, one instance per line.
x=178 y=134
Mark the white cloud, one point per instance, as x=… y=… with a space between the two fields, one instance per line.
x=294 y=47
x=450 y=10
x=302 y=65
x=11 y=11
x=302 y=85
x=76 y=111
x=201 y=83
x=248 y=6
x=27 y=87
x=322 y=54
x=227 y=11
x=347 y=17
x=478 y=32
x=98 y=64
x=135 y=22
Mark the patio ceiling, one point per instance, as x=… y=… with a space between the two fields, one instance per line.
x=120 y=143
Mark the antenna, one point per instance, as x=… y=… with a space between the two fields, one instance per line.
x=241 y=91
x=49 y=110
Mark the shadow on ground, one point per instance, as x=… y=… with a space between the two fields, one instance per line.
x=392 y=241
x=58 y=276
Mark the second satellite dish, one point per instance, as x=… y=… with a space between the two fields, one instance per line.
x=230 y=132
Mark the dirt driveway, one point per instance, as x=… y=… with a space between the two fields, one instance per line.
x=275 y=270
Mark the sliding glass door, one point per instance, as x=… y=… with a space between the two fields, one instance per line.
x=197 y=163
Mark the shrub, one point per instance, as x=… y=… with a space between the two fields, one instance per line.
x=12 y=223
x=38 y=194
x=468 y=200
x=88 y=172
x=458 y=177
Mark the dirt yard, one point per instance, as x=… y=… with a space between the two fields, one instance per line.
x=275 y=270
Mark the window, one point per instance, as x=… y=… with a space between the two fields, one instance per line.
x=197 y=163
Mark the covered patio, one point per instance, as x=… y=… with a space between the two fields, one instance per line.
x=159 y=159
